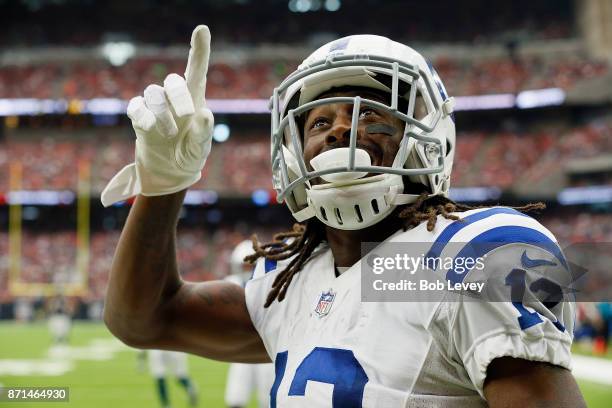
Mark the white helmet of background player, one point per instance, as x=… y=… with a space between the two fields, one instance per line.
x=348 y=198
x=237 y=264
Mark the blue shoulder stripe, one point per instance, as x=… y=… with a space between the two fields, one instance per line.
x=500 y=236
x=269 y=265
x=452 y=229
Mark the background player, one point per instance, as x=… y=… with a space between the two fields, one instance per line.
x=162 y=362
x=243 y=379
x=60 y=320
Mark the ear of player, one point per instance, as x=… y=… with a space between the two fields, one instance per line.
x=173 y=130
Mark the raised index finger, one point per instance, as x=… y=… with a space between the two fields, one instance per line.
x=197 y=64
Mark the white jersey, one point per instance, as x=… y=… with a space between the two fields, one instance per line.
x=341 y=352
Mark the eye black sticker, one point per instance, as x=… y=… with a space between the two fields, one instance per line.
x=381 y=128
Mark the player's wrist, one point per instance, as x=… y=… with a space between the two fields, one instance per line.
x=167 y=203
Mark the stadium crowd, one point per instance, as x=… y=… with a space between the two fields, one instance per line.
x=50 y=257
x=485 y=159
x=241 y=165
x=256 y=79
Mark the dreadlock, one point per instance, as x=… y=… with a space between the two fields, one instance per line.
x=304 y=238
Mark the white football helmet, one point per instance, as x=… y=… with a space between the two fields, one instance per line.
x=356 y=194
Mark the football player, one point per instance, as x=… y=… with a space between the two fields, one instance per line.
x=243 y=379
x=363 y=138
x=60 y=320
x=162 y=361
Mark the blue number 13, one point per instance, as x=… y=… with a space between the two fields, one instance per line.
x=327 y=365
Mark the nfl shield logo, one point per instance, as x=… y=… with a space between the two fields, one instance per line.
x=325 y=303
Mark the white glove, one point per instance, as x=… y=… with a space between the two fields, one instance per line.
x=173 y=130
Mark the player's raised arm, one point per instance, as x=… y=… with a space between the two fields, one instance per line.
x=147 y=304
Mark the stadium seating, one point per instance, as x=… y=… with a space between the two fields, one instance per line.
x=204 y=254
x=256 y=79
x=241 y=165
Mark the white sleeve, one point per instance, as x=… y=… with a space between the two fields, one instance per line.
x=527 y=313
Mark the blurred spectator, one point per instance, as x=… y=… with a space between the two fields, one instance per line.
x=575 y=227
x=50 y=257
x=256 y=79
x=98 y=79
x=204 y=254
x=242 y=164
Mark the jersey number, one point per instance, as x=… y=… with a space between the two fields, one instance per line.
x=326 y=365
x=516 y=280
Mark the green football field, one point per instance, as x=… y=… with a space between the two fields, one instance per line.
x=101 y=372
